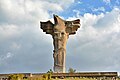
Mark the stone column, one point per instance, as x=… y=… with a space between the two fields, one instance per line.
x=59 y=52
x=60 y=32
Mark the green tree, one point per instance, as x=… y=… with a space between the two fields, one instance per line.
x=71 y=70
x=50 y=71
x=49 y=74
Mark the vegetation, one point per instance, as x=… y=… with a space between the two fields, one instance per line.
x=16 y=76
x=71 y=70
x=47 y=76
x=50 y=71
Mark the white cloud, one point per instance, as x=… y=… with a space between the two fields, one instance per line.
x=7 y=31
x=64 y=3
x=79 y=2
x=13 y=9
x=29 y=11
x=103 y=25
x=8 y=55
x=21 y=37
x=99 y=9
x=117 y=2
x=77 y=13
x=96 y=44
x=5 y=57
x=107 y=1
x=15 y=46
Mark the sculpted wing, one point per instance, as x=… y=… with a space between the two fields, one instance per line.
x=47 y=27
x=72 y=26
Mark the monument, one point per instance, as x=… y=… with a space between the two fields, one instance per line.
x=60 y=32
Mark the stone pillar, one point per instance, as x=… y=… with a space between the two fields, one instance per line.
x=60 y=32
x=59 y=52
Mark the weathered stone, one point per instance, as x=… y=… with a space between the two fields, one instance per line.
x=60 y=32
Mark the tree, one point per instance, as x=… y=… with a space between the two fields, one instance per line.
x=71 y=70
x=50 y=71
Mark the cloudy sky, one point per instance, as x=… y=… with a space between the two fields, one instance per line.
x=25 y=48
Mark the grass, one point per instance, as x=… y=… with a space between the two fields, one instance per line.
x=65 y=79
x=74 y=79
x=48 y=77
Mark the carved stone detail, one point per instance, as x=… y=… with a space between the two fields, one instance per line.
x=60 y=32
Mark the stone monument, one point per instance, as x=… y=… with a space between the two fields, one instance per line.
x=60 y=32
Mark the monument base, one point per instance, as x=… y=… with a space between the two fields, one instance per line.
x=59 y=69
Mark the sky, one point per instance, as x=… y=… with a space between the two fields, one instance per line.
x=24 y=47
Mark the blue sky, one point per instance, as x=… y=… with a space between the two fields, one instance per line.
x=24 y=47
x=90 y=6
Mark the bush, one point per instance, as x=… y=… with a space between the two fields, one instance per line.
x=47 y=76
x=71 y=70
x=16 y=76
